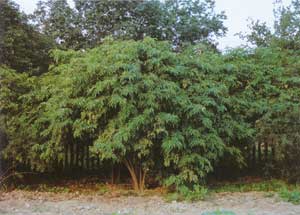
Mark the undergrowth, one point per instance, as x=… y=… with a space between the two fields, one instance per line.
x=263 y=186
x=183 y=193
x=287 y=192
x=45 y=188
x=292 y=196
x=219 y=212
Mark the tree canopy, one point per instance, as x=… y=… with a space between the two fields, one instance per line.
x=22 y=47
x=141 y=85
x=136 y=101
x=90 y=21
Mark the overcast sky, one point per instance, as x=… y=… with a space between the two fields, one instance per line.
x=237 y=11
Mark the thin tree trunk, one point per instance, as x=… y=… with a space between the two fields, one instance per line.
x=119 y=174
x=140 y=178
x=77 y=156
x=87 y=157
x=66 y=156
x=112 y=174
x=71 y=154
x=92 y=163
x=131 y=169
x=143 y=180
x=259 y=153
x=266 y=150
x=82 y=156
x=98 y=162
x=254 y=156
x=273 y=151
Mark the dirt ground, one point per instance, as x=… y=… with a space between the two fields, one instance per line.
x=36 y=203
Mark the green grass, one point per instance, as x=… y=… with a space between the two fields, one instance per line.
x=184 y=194
x=292 y=196
x=288 y=193
x=201 y=193
x=264 y=186
x=271 y=188
x=219 y=212
x=102 y=189
x=44 y=188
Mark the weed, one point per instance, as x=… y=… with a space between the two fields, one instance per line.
x=269 y=194
x=289 y=193
x=265 y=186
x=219 y=212
x=197 y=193
x=102 y=189
x=292 y=196
x=52 y=189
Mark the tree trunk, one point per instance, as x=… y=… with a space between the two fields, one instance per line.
x=82 y=156
x=259 y=154
x=3 y=144
x=71 y=154
x=254 y=156
x=266 y=150
x=66 y=156
x=137 y=174
x=77 y=155
x=112 y=175
x=87 y=158
x=118 y=173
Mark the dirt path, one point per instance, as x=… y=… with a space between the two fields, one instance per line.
x=36 y=203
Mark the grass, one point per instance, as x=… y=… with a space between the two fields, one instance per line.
x=292 y=196
x=102 y=189
x=45 y=188
x=262 y=186
x=198 y=193
x=219 y=212
x=288 y=193
x=84 y=188
x=271 y=188
x=201 y=193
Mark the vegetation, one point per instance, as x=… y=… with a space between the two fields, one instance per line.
x=219 y=212
x=22 y=47
x=185 y=194
x=157 y=102
x=90 y=21
x=290 y=196
x=268 y=188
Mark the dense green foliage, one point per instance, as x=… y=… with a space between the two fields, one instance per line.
x=153 y=110
x=90 y=21
x=22 y=47
x=280 y=125
x=290 y=196
x=172 y=116
x=138 y=102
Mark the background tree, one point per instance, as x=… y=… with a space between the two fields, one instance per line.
x=260 y=34
x=285 y=31
x=22 y=47
x=175 y=109
x=61 y=23
x=193 y=21
x=138 y=102
x=91 y=21
x=287 y=28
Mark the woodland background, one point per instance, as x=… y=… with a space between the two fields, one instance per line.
x=137 y=90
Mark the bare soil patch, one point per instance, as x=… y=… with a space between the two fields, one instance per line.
x=75 y=203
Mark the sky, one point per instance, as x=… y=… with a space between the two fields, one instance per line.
x=237 y=11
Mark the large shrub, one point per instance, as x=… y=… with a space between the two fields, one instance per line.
x=140 y=104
